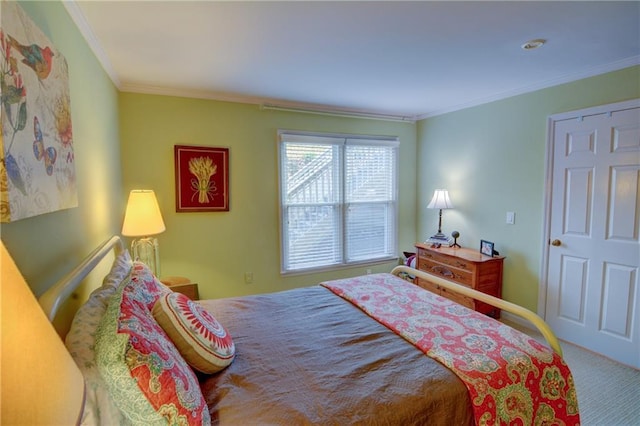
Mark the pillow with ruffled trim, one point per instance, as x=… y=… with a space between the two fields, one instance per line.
x=119 y=269
x=81 y=338
x=146 y=376
x=200 y=338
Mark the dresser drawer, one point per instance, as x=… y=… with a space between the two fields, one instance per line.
x=446 y=260
x=458 y=298
x=445 y=271
x=449 y=294
x=427 y=285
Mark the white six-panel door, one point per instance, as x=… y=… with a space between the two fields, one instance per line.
x=592 y=293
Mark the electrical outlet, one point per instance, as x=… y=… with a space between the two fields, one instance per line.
x=511 y=218
x=248 y=277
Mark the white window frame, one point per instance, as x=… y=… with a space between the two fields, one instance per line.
x=342 y=141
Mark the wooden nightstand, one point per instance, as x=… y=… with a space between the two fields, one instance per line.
x=463 y=266
x=182 y=285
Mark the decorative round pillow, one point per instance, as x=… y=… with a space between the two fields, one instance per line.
x=200 y=338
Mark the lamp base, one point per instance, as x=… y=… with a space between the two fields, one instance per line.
x=147 y=251
x=439 y=238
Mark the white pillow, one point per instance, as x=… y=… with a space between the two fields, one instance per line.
x=119 y=269
x=80 y=341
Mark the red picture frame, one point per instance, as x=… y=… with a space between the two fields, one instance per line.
x=202 y=178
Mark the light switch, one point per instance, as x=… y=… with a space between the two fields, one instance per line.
x=511 y=218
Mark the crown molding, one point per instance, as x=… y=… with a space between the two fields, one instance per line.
x=94 y=44
x=265 y=103
x=338 y=112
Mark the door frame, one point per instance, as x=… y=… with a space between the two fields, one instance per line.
x=548 y=173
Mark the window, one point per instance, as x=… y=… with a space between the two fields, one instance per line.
x=338 y=200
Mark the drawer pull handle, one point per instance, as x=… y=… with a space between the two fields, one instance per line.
x=442 y=271
x=461 y=265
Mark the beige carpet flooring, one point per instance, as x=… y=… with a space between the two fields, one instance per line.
x=608 y=392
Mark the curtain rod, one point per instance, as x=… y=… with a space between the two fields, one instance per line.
x=339 y=113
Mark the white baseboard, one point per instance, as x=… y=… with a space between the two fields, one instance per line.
x=518 y=320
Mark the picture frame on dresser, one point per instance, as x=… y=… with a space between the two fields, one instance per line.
x=486 y=248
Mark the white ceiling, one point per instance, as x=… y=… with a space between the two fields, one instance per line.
x=413 y=59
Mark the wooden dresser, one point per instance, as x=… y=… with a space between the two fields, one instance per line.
x=463 y=266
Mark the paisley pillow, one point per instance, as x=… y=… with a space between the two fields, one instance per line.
x=146 y=376
x=147 y=287
x=200 y=338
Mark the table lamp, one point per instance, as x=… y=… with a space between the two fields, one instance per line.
x=440 y=201
x=143 y=219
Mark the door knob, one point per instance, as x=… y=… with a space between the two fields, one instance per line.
x=556 y=242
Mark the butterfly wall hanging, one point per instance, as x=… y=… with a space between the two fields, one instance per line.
x=37 y=167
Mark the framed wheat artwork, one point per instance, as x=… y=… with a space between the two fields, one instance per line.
x=202 y=178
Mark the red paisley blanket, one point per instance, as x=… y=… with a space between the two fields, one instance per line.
x=512 y=379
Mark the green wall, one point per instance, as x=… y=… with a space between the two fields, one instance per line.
x=48 y=246
x=216 y=249
x=491 y=158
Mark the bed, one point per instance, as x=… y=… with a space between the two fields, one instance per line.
x=374 y=349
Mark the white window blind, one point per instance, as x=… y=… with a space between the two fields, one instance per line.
x=338 y=199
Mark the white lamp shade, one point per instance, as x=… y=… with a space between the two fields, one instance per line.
x=440 y=200
x=40 y=382
x=143 y=217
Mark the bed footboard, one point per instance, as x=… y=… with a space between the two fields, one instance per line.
x=512 y=308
